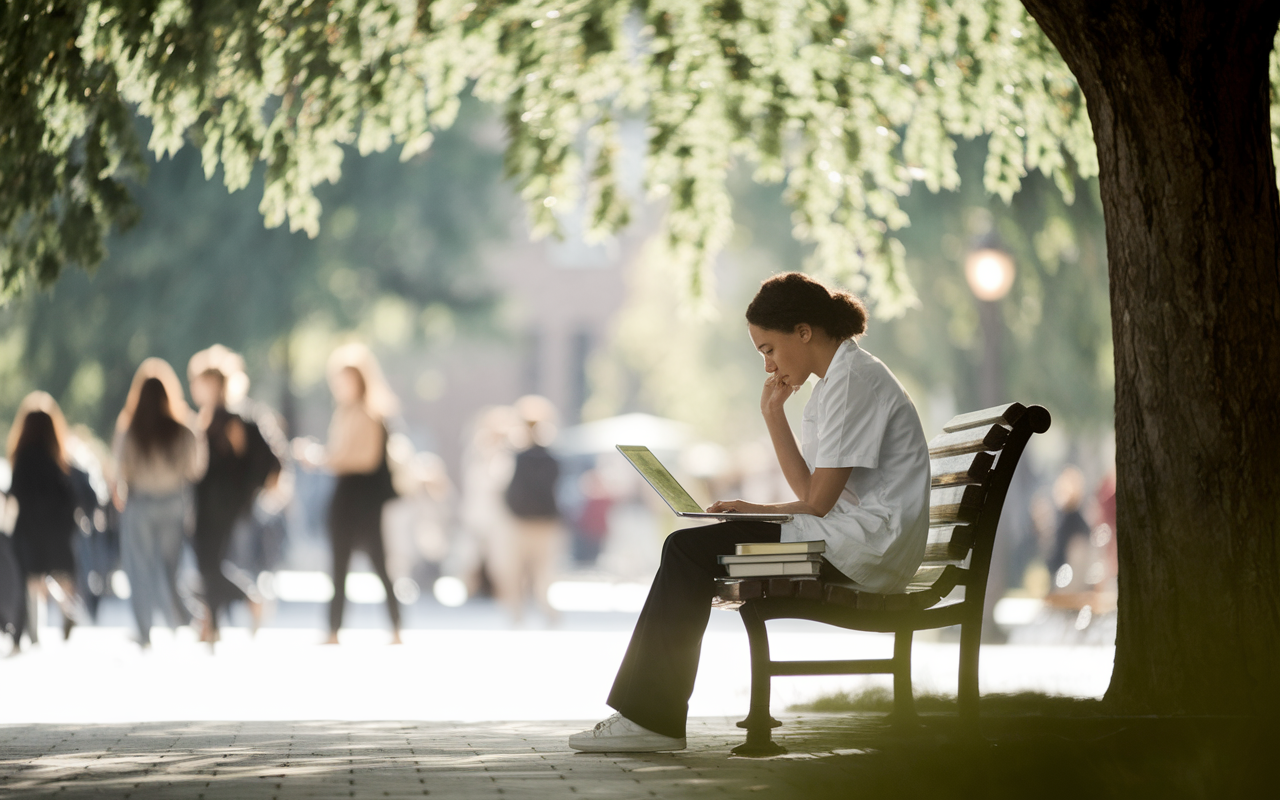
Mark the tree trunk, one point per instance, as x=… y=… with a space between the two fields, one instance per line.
x=1178 y=97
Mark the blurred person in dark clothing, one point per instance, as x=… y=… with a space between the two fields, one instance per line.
x=13 y=590
x=1104 y=536
x=94 y=545
x=257 y=541
x=46 y=509
x=240 y=462
x=159 y=459
x=1072 y=533
x=531 y=496
x=357 y=455
x=593 y=517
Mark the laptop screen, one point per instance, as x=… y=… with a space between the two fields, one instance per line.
x=660 y=479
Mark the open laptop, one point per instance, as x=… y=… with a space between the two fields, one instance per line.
x=670 y=490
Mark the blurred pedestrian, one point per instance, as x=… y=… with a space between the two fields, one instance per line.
x=593 y=517
x=46 y=509
x=487 y=463
x=257 y=541
x=240 y=462
x=1104 y=533
x=13 y=590
x=159 y=459
x=531 y=496
x=96 y=544
x=415 y=525
x=1071 y=545
x=357 y=455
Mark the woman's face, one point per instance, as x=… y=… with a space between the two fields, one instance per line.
x=348 y=386
x=786 y=355
x=206 y=390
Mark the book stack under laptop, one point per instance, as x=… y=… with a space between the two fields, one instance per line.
x=775 y=559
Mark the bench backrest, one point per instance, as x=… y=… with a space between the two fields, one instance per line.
x=972 y=463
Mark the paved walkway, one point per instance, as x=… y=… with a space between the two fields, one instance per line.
x=832 y=756
x=269 y=760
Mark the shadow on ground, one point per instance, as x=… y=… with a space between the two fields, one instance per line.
x=832 y=756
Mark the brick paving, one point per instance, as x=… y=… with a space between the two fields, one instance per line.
x=832 y=756
x=285 y=760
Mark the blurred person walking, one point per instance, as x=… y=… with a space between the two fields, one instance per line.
x=159 y=459
x=1071 y=543
x=487 y=464
x=240 y=462
x=592 y=525
x=357 y=455
x=46 y=500
x=13 y=590
x=531 y=496
x=96 y=543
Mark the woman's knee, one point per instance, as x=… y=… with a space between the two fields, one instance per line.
x=678 y=541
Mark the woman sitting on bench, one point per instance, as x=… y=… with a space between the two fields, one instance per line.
x=861 y=472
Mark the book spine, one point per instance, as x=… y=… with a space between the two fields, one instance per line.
x=783 y=568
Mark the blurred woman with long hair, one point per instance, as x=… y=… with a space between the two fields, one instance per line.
x=46 y=523
x=159 y=459
x=357 y=455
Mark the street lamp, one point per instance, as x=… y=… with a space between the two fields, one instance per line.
x=989 y=272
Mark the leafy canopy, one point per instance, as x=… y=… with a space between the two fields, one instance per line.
x=399 y=261
x=847 y=101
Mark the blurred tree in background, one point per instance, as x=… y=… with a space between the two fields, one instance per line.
x=398 y=258
x=701 y=369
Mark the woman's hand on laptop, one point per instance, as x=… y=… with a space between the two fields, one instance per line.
x=737 y=507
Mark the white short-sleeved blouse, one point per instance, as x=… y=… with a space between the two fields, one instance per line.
x=860 y=416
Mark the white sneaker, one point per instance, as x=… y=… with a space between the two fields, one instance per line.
x=617 y=734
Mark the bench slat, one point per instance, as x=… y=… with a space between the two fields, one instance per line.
x=970 y=440
x=1004 y=415
x=959 y=470
x=949 y=543
x=946 y=579
x=925 y=578
x=739 y=591
x=954 y=504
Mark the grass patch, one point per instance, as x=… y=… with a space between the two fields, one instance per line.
x=878 y=699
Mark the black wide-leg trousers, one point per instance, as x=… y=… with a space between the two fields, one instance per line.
x=657 y=674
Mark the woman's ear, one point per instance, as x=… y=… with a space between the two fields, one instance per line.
x=804 y=332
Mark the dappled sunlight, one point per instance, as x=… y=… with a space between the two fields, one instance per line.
x=227 y=759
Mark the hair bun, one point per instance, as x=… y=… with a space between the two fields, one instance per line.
x=847 y=314
x=793 y=298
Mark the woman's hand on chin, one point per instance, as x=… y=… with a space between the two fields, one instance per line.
x=736 y=507
x=775 y=394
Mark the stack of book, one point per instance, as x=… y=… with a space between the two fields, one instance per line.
x=775 y=559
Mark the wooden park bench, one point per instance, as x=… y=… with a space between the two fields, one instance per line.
x=972 y=463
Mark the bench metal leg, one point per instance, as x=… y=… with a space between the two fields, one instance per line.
x=759 y=723
x=970 y=640
x=904 y=702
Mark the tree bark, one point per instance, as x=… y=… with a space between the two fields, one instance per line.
x=1178 y=98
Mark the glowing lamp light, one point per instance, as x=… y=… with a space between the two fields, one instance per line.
x=989 y=273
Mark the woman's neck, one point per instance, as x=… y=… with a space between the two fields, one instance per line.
x=824 y=353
